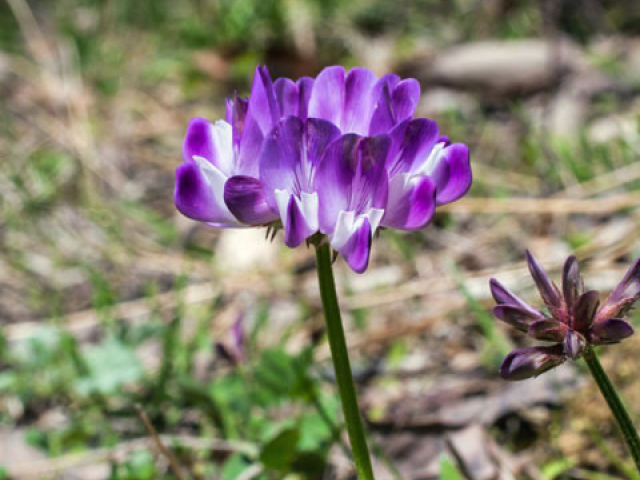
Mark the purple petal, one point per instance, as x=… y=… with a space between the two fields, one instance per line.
x=502 y=296
x=571 y=281
x=200 y=196
x=515 y=316
x=235 y=115
x=305 y=87
x=530 y=362
x=411 y=202
x=624 y=296
x=262 y=115
x=452 y=174
x=574 y=344
x=279 y=157
x=333 y=180
x=359 y=101
x=382 y=120
x=611 y=330
x=412 y=141
x=327 y=96
x=548 y=291
x=356 y=250
x=548 y=329
x=263 y=105
x=246 y=200
x=585 y=310
x=237 y=333
x=404 y=98
x=286 y=92
x=198 y=140
x=370 y=188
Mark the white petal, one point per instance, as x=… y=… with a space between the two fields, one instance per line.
x=343 y=230
x=309 y=208
x=222 y=135
x=282 y=199
x=375 y=216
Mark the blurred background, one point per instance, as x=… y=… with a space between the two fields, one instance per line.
x=120 y=320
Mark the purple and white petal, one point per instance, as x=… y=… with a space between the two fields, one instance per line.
x=411 y=202
x=280 y=158
x=299 y=217
x=357 y=248
x=246 y=200
x=412 y=143
x=199 y=193
x=213 y=142
x=333 y=180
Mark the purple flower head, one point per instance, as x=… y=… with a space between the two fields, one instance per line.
x=575 y=320
x=338 y=156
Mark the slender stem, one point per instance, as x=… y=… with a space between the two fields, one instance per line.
x=616 y=406
x=341 y=364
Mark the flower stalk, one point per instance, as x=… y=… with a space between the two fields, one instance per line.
x=629 y=432
x=341 y=364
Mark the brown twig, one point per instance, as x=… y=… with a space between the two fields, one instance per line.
x=162 y=449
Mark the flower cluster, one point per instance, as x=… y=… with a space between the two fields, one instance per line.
x=575 y=319
x=340 y=154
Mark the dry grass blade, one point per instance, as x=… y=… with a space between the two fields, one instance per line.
x=162 y=449
x=552 y=206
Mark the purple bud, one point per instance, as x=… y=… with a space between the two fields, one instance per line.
x=585 y=310
x=237 y=335
x=503 y=296
x=548 y=291
x=548 y=329
x=574 y=344
x=611 y=330
x=624 y=296
x=531 y=362
x=571 y=281
x=515 y=316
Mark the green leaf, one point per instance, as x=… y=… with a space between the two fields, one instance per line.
x=234 y=466
x=448 y=471
x=279 y=452
x=111 y=364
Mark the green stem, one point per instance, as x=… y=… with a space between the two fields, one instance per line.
x=341 y=364
x=616 y=406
